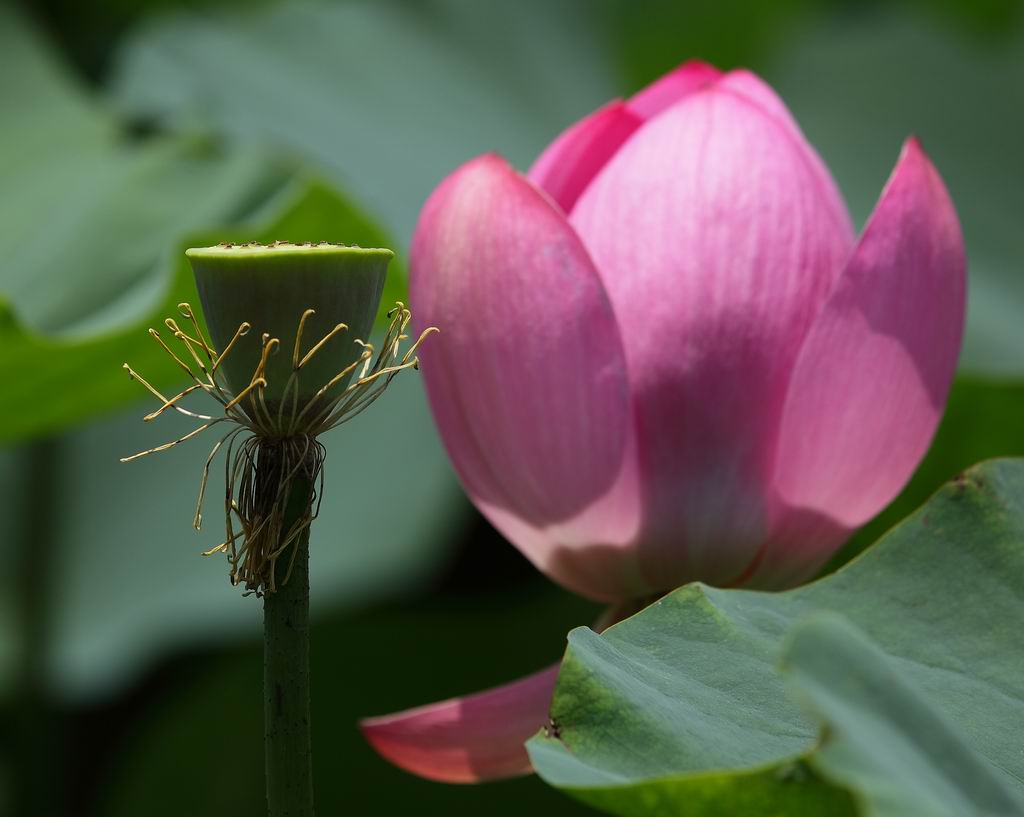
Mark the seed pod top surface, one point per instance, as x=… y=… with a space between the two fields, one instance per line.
x=270 y=287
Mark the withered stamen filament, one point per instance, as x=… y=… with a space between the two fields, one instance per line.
x=320 y=345
x=298 y=336
x=259 y=472
x=241 y=331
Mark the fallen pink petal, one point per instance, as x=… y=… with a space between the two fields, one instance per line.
x=465 y=740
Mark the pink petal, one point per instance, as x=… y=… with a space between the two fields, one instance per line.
x=871 y=381
x=569 y=163
x=717 y=244
x=465 y=740
x=526 y=378
x=751 y=87
x=668 y=89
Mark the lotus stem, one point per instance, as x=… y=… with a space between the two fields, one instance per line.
x=286 y=704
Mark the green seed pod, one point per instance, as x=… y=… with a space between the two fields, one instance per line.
x=271 y=287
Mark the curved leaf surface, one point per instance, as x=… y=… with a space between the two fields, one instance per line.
x=884 y=740
x=687 y=695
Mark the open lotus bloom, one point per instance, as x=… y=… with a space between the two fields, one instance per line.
x=664 y=356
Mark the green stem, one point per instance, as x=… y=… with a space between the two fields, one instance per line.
x=286 y=676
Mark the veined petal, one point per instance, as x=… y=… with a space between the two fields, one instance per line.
x=872 y=378
x=569 y=163
x=751 y=87
x=465 y=740
x=526 y=378
x=717 y=245
x=670 y=88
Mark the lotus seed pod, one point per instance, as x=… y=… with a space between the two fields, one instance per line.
x=285 y=356
x=270 y=287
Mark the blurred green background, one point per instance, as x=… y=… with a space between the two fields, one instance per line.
x=129 y=668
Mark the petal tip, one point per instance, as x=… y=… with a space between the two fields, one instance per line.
x=399 y=746
x=485 y=162
x=913 y=151
x=916 y=178
x=697 y=66
x=743 y=72
x=466 y=740
x=682 y=81
x=915 y=163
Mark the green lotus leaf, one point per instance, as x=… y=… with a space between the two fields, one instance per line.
x=683 y=709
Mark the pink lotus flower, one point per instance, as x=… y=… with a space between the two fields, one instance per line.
x=664 y=357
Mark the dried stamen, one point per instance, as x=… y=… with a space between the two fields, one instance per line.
x=281 y=451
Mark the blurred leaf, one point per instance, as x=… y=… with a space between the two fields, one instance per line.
x=860 y=85
x=207 y=728
x=385 y=98
x=83 y=232
x=883 y=739
x=53 y=114
x=682 y=707
x=87 y=219
x=85 y=377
